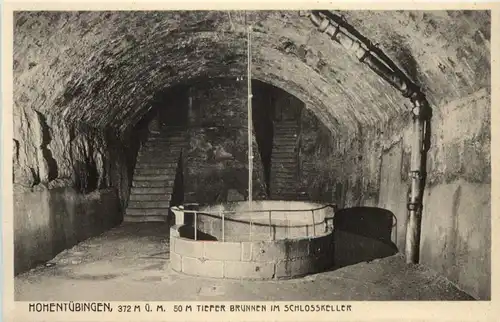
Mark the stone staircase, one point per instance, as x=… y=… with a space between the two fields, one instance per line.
x=284 y=161
x=154 y=176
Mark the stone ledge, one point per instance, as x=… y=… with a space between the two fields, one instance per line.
x=258 y=260
x=222 y=251
x=204 y=268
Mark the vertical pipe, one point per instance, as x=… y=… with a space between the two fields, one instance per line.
x=287 y=227
x=249 y=121
x=270 y=227
x=314 y=223
x=223 y=231
x=195 y=225
x=250 y=234
x=412 y=246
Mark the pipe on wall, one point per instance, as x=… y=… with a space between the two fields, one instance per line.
x=365 y=55
x=412 y=245
x=421 y=115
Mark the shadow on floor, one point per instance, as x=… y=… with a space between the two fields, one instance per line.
x=362 y=234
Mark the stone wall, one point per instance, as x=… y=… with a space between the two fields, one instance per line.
x=258 y=260
x=48 y=221
x=48 y=154
x=217 y=160
x=318 y=166
x=69 y=183
x=372 y=171
x=456 y=225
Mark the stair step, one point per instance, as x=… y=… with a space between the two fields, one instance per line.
x=160 y=146
x=160 y=165
x=153 y=162
x=283 y=170
x=283 y=152
x=160 y=149
x=154 y=177
x=286 y=124
x=284 y=141
x=148 y=204
x=147 y=212
x=286 y=162
x=172 y=139
x=159 y=156
x=151 y=218
x=283 y=177
x=162 y=153
x=144 y=165
x=283 y=155
x=285 y=131
x=285 y=148
x=151 y=197
x=165 y=132
x=282 y=181
x=151 y=191
x=167 y=169
x=153 y=184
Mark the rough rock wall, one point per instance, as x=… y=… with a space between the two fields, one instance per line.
x=70 y=183
x=49 y=154
x=217 y=160
x=372 y=171
x=456 y=219
x=318 y=166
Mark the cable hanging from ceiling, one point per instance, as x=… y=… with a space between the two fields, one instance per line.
x=249 y=113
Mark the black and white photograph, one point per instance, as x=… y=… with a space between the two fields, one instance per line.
x=251 y=155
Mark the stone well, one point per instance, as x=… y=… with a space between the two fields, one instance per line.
x=232 y=242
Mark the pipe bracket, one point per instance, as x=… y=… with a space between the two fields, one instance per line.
x=416 y=174
x=414 y=206
x=323 y=25
x=365 y=54
x=335 y=33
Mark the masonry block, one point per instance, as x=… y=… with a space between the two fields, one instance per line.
x=174 y=232
x=268 y=251
x=176 y=262
x=296 y=267
x=200 y=267
x=248 y=270
x=222 y=251
x=246 y=251
x=298 y=248
x=319 y=245
x=187 y=247
x=259 y=235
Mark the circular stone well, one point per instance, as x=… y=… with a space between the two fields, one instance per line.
x=233 y=241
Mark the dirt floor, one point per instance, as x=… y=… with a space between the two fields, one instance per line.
x=131 y=263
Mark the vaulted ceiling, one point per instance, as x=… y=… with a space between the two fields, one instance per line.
x=103 y=68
